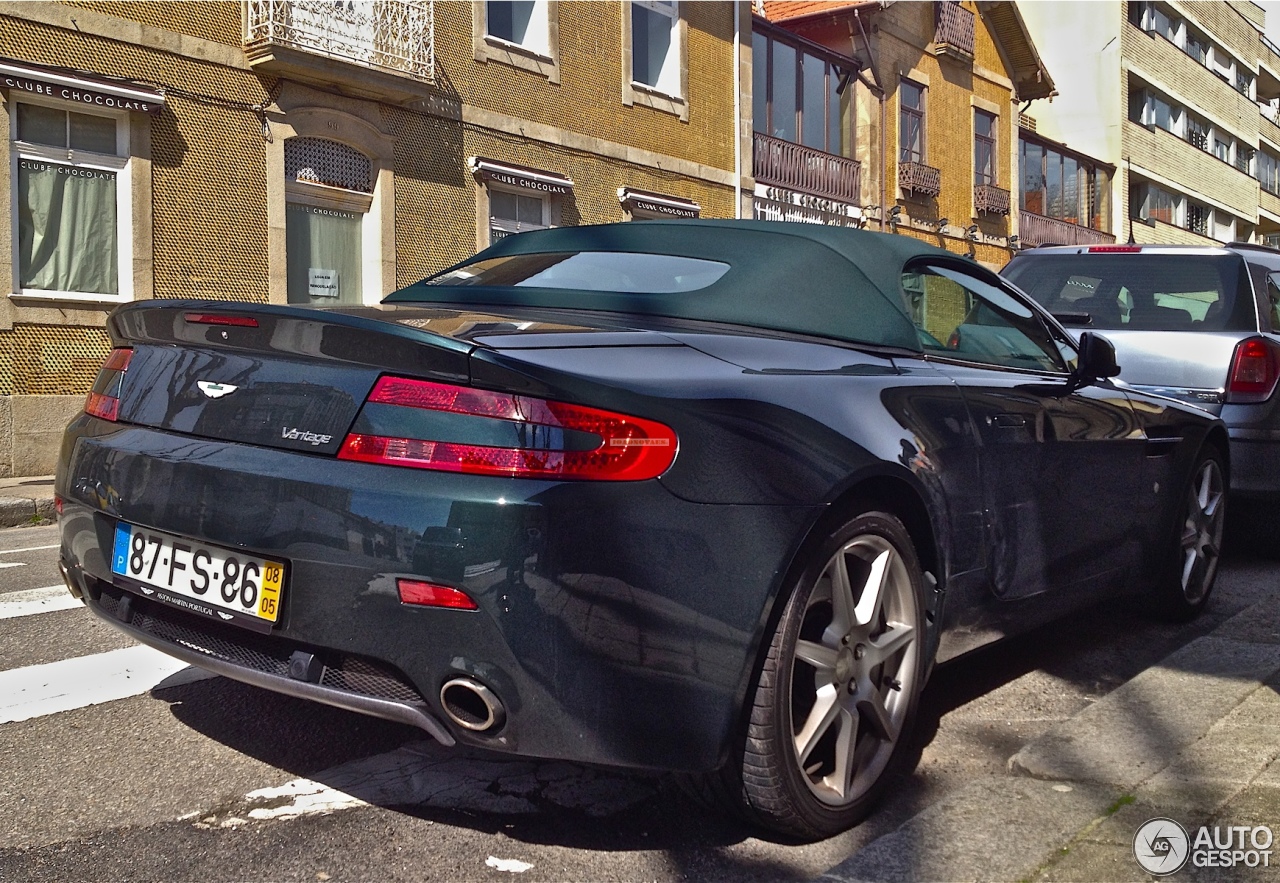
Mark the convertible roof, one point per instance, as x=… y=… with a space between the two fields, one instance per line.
x=825 y=281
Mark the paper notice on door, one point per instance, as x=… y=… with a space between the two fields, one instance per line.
x=322 y=283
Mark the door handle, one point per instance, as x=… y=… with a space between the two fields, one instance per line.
x=1008 y=421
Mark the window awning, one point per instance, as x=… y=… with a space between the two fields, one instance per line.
x=79 y=87
x=643 y=200
x=519 y=176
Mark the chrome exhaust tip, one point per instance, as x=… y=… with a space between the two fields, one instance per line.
x=72 y=586
x=472 y=706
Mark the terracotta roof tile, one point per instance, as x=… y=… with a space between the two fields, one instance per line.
x=783 y=10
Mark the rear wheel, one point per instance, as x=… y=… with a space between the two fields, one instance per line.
x=1185 y=589
x=838 y=689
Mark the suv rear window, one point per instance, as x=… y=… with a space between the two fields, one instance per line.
x=1145 y=291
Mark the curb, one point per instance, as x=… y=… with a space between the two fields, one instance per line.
x=1194 y=735
x=26 y=501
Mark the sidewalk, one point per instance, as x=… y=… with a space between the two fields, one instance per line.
x=25 y=501
x=1193 y=739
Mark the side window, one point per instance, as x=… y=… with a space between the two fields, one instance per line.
x=961 y=316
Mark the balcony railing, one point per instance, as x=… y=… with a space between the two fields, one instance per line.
x=954 y=30
x=918 y=179
x=796 y=167
x=1036 y=229
x=991 y=199
x=385 y=35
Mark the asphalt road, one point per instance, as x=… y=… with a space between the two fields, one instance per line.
x=121 y=765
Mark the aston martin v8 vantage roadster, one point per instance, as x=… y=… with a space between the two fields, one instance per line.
x=709 y=497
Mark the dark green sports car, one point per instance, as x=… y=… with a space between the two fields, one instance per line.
x=709 y=497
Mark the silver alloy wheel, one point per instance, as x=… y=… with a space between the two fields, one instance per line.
x=1202 y=530
x=854 y=671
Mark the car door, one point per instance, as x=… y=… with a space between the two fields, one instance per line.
x=1060 y=464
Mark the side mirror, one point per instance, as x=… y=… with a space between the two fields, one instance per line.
x=1097 y=360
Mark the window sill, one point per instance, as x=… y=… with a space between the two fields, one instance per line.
x=106 y=301
x=656 y=99
x=491 y=48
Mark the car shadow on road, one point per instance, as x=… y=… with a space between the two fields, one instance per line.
x=342 y=759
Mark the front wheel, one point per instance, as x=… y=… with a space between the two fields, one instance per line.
x=1197 y=546
x=838 y=689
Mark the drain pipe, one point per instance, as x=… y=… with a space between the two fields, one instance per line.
x=737 y=109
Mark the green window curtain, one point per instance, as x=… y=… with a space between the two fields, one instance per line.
x=324 y=255
x=67 y=238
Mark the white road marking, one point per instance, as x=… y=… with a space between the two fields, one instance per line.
x=39 y=690
x=12 y=564
x=510 y=865
x=42 y=600
x=27 y=549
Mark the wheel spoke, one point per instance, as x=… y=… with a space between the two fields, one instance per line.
x=820 y=656
x=869 y=601
x=842 y=604
x=1188 y=567
x=878 y=717
x=846 y=766
x=825 y=709
x=896 y=638
x=1202 y=494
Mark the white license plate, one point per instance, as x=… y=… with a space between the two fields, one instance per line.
x=220 y=583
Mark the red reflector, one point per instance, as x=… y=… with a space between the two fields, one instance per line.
x=1254 y=371
x=219 y=319
x=57 y=505
x=425 y=594
x=1114 y=249
x=628 y=448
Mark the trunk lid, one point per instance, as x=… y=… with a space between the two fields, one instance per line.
x=296 y=378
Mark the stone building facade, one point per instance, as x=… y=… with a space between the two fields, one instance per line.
x=319 y=153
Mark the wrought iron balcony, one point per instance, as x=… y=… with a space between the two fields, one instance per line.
x=954 y=30
x=392 y=39
x=918 y=179
x=991 y=199
x=1037 y=229
x=786 y=164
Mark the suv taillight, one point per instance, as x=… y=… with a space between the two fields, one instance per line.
x=104 y=398
x=429 y=425
x=1255 y=367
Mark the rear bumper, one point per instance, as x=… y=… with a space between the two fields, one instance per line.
x=1255 y=462
x=618 y=624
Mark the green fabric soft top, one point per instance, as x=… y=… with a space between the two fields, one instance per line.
x=805 y=278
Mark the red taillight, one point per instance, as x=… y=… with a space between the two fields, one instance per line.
x=1114 y=249
x=104 y=398
x=425 y=594
x=220 y=319
x=623 y=449
x=1255 y=368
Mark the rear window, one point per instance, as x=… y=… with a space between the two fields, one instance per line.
x=1139 y=292
x=629 y=272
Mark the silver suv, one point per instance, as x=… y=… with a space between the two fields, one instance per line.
x=1200 y=324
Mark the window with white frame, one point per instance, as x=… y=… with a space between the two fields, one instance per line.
x=1157 y=204
x=984 y=147
x=1269 y=172
x=328 y=194
x=655 y=45
x=523 y=23
x=72 y=203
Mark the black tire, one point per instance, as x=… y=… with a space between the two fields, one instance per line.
x=1196 y=547
x=837 y=693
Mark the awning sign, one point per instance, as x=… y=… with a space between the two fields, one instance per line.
x=80 y=88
